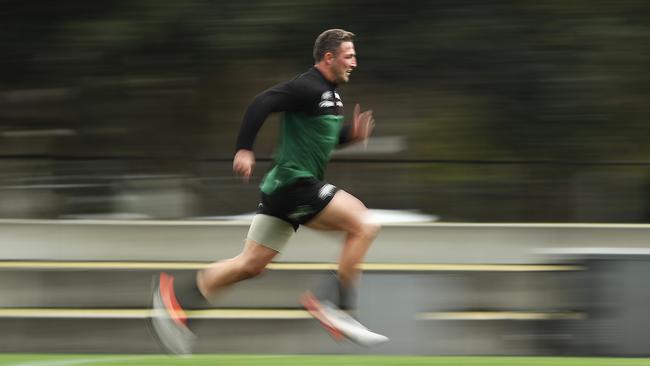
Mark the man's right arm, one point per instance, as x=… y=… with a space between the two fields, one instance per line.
x=281 y=97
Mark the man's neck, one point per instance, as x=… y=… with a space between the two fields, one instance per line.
x=327 y=74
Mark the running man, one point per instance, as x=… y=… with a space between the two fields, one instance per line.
x=293 y=194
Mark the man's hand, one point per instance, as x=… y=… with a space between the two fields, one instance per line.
x=362 y=124
x=243 y=164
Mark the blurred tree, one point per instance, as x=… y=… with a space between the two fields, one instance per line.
x=551 y=85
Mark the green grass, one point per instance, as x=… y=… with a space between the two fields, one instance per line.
x=274 y=360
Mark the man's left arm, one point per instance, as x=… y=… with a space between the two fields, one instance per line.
x=360 y=129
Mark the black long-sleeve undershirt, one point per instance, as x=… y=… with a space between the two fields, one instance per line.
x=291 y=96
x=258 y=111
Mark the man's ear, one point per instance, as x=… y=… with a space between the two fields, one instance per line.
x=328 y=57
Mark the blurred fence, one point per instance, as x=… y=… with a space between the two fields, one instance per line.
x=464 y=191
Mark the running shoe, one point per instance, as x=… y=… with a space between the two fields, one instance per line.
x=339 y=323
x=168 y=320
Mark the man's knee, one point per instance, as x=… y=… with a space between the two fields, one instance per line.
x=366 y=229
x=371 y=229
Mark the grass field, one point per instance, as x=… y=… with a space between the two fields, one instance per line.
x=274 y=360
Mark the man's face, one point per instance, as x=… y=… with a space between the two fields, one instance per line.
x=344 y=62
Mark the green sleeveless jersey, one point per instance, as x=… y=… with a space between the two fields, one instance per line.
x=310 y=128
x=306 y=143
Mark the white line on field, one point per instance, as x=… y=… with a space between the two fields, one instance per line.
x=82 y=361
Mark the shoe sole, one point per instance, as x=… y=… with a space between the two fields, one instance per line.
x=348 y=328
x=312 y=305
x=150 y=316
x=153 y=329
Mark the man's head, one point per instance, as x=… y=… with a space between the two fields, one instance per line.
x=334 y=55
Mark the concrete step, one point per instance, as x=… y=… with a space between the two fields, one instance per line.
x=110 y=335
x=90 y=307
x=105 y=333
x=55 y=284
x=396 y=243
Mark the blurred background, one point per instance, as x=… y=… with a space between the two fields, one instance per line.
x=490 y=111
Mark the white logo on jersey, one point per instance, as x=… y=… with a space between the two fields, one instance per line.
x=338 y=99
x=327 y=100
x=325 y=191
